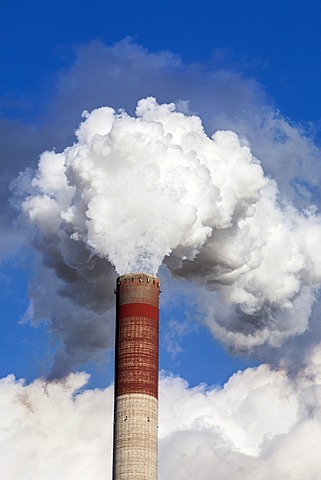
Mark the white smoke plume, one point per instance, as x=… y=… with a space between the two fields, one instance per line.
x=222 y=94
x=135 y=192
x=260 y=424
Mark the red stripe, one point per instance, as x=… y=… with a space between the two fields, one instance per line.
x=137 y=349
x=138 y=310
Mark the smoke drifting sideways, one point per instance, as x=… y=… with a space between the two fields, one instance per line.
x=133 y=193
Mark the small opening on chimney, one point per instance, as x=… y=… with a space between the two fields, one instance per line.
x=148 y=280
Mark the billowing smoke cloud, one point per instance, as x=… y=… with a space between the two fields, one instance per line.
x=222 y=95
x=133 y=192
x=48 y=430
x=137 y=190
x=220 y=92
x=258 y=425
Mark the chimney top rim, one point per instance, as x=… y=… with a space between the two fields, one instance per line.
x=137 y=275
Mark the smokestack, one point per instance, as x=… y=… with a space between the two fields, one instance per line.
x=136 y=378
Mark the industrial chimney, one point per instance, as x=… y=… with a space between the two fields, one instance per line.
x=136 y=378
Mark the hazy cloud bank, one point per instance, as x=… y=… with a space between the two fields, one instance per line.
x=259 y=424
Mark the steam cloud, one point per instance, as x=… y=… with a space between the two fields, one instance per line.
x=137 y=192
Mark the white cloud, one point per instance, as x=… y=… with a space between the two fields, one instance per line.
x=48 y=431
x=259 y=424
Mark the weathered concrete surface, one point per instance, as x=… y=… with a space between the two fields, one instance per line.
x=135 y=447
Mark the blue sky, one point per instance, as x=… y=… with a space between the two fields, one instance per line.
x=276 y=42
x=272 y=48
